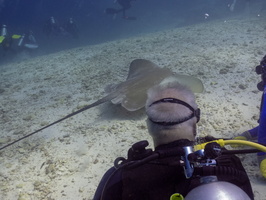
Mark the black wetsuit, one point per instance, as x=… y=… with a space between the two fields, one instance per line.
x=7 y=45
x=159 y=179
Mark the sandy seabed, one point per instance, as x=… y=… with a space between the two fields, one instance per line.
x=67 y=161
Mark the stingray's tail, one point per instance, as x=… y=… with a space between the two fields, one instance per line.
x=100 y=101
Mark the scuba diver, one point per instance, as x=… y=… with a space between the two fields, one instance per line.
x=28 y=41
x=72 y=28
x=7 y=44
x=51 y=27
x=7 y=40
x=3 y=31
x=125 y=4
x=258 y=133
x=15 y=43
x=172 y=171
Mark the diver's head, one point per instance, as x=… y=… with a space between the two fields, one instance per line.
x=172 y=113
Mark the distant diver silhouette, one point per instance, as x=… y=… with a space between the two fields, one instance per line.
x=126 y=4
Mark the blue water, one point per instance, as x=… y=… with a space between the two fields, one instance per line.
x=95 y=26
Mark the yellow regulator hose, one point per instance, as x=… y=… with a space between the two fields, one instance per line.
x=222 y=143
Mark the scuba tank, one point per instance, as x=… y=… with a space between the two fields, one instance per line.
x=52 y=21
x=212 y=189
x=4 y=31
x=21 y=40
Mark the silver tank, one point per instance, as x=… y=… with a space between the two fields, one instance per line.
x=3 y=31
x=219 y=190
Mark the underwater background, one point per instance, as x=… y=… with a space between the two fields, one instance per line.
x=96 y=26
x=218 y=41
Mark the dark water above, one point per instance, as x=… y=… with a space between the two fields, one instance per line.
x=95 y=26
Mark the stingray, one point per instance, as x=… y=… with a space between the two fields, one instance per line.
x=144 y=74
x=132 y=93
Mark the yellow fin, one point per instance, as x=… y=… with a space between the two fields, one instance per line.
x=16 y=36
x=1 y=39
x=263 y=168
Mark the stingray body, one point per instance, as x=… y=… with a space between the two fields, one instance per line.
x=144 y=74
x=132 y=93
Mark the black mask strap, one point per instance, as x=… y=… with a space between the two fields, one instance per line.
x=195 y=113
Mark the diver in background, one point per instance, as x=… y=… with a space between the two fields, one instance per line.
x=28 y=41
x=258 y=133
x=245 y=4
x=15 y=43
x=51 y=27
x=7 y=44
x=232 y=5
x=3 y=31
x=72 y=28
x=6 y=40
x=125 y=4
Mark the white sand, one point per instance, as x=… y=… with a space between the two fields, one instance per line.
x=66 y=161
